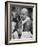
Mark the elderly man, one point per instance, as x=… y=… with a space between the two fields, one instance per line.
x=26 y=23
x=23 y=32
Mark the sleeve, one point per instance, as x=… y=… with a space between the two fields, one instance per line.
x=27 y=25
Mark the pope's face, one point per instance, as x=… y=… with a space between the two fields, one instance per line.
x=23 y=14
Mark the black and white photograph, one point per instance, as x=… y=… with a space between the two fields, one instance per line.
x=20 y=22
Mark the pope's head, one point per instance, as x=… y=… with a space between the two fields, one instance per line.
x=24 y=12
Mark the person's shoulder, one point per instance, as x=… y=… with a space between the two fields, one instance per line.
x=28 y=18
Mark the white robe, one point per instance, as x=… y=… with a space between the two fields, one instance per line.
x=25 y=35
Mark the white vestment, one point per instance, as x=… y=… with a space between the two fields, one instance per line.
x=25 y=35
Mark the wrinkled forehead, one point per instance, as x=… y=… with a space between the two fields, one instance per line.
x=24 y=10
